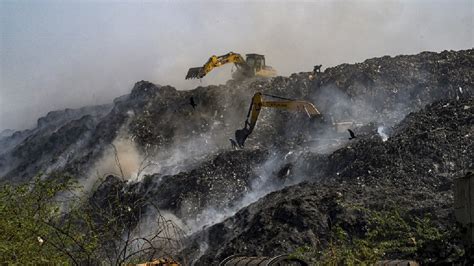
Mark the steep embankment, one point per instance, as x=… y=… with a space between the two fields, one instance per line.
x=155 y=117
x=179 y=158
x=412 y=171
x=57 y=136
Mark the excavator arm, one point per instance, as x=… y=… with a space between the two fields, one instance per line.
x=258 y=102
x=216 y=61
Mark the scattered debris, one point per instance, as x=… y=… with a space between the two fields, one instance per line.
x=414 y=96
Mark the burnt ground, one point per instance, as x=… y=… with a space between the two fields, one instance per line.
x=413 y=170
x=313 y=176
x=380 y=90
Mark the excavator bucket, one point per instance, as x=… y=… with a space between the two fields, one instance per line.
x=195 y=73
x=241 y=135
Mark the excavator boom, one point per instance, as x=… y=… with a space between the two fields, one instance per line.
x=216 y=61
x=258 y=102
x=297 y=106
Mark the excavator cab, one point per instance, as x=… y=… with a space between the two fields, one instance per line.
x=255 y=61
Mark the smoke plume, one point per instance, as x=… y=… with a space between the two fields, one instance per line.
x=120 y=159
x=70 y=54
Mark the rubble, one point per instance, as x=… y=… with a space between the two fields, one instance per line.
x=313 y=176
x=216 y=183
x=26 y=153
x=413 y=170
x=381 y=90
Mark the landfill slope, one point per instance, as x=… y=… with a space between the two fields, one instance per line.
x=296 y=177
x=55 y=139
x=154 y=117
x=413 y=171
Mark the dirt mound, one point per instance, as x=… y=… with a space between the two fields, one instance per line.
x=391 y=87
x=216 y=183
x=192 y=171
x=412 y=171
x=50 y=145
x=381 y=90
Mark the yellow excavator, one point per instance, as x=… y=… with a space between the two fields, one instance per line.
x=258 y=102
x=253 y=65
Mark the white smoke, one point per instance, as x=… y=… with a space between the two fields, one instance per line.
x=382 y=134
x=263 y=184
x=160 y=40
x=120 y=159
x=158 y=230
x=180 y=156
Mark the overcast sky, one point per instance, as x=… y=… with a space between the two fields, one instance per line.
x=67 y=54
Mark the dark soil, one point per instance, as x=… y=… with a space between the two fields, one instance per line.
x=317 y=177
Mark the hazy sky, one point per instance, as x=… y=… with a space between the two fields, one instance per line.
x=67 y=54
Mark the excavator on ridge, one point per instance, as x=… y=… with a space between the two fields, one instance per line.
x=258 y=102
x=253 y=65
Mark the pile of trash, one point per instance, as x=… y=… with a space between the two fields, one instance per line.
x=219 y=183
x=412 y=171
x=412 y=117
x=24 y=154
x=381 y=90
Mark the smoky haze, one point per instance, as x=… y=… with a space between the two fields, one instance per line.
x=67 y=55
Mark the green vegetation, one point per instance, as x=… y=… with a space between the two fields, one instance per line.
x=32 y=228
x=44 y=221
x=389 y=234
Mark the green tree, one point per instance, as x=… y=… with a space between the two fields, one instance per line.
x=45 y=221
x=32 y=227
